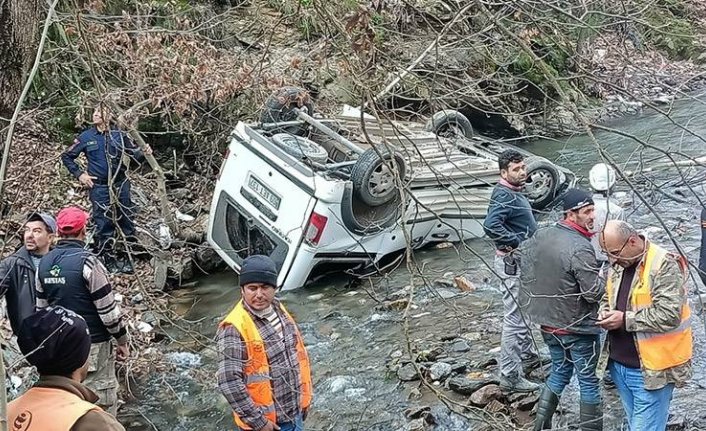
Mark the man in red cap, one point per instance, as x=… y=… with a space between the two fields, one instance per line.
x=72 y=277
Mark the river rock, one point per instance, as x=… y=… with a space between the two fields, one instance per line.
x=486 y=394
x=494 y=406
x=417 y=412
x=439 y=371
x=459 y=365
x=676 y=422
x=407 y=373
x=340 y=383
x=526 y=403
x=466 y=385
x=416 y=425
x=464 y=284
x=460 y=346
x=446 y=292
x=430 y=355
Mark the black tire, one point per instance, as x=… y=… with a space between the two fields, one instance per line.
x=279 y=107
x=301 y=148
x=373 y=182
x=542 y=181
x=449 y=123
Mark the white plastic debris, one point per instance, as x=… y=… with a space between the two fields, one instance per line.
x=184 y=217
x=16 y=382
x=119 y=298
x=144 y=327
x=165 y=236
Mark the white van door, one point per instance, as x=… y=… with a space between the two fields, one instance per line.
x=262 y=202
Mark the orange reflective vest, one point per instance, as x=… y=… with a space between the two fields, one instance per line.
x=257 y=367
x=46 y=409
x=658 y=350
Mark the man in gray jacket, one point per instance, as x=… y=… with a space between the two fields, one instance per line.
x=562 y=285
x=18 y=271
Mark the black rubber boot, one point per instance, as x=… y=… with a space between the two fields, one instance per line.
x=591 y=417
x=546 y=407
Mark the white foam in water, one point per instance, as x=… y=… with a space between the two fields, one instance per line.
x=184 y=359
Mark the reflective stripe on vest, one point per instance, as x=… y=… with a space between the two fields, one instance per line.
x=658 y=350
x=46 y=409
x=257 y=367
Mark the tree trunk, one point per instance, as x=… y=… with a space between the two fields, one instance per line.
x=19 y=25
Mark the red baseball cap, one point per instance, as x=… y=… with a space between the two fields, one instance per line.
x=71 y=220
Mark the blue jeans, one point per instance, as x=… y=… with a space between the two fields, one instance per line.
x=646 y=410
x=296 y=425
x=577 y=352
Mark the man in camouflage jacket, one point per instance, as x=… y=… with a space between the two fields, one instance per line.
x=645 y=310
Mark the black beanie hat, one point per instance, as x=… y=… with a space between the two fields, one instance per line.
x=55 y=340
x=575 y=199
x=258 y=269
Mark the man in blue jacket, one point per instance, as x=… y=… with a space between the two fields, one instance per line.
x=509 y=222
x=108 y=151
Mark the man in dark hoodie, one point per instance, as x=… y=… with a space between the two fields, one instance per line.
x=18 y=271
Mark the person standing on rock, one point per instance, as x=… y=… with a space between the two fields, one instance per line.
x=108 y=151
x=18 y=271
x=263 y=368
x=57 y=342
x=509 y=222
x=648 y=319
x=562 y=285
x=602 y=179
x=72 y=277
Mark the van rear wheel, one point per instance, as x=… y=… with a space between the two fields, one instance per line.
x=373 y=180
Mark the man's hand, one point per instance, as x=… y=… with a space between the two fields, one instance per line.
x=122 y=352
x=611 y=320
x=86 y=180
x=148 y=150
x=269 y=427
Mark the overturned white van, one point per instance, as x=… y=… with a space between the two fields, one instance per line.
x=322 y=195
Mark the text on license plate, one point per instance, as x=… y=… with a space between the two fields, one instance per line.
x=264 y=192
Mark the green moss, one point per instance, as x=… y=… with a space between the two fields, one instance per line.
x=668 y=28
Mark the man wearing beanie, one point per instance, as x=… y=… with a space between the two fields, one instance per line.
x=57 y=342
x=562 y=285
x=72 y=277
x=17 y=271
x=263 y=368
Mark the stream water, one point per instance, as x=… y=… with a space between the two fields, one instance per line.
x=351 y=340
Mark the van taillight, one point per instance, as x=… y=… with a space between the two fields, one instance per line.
x=225 y=160
x=316 y=226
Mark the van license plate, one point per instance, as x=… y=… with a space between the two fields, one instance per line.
x=264 y=192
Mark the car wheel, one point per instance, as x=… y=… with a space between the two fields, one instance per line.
x=449 y=123
x=373 y=181
x=279 y=107
x=301 y=148
x=542 y=181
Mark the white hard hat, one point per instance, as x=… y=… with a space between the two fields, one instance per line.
x=601 y=177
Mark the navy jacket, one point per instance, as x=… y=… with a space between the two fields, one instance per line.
x=510 y=219
x=61 y=275
x=104 y=152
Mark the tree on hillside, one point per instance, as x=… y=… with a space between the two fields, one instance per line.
x=19 y=20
